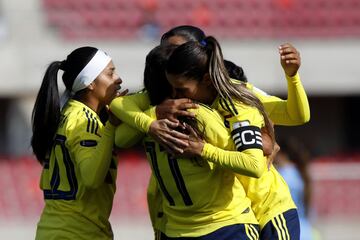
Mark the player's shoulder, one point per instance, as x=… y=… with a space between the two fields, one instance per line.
x=205 y=108
x=138 y=94
x=237 y=108
x=79 y=116
x=238 y=112
x=205 y=112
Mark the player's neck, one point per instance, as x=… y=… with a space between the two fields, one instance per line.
x=91 y=102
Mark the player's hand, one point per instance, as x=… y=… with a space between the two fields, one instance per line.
x=163 y=131
x=290 y=59
x=196 y=144
x=123 y=93
x=112 y=118
x=271 y=157
x=268 y=144
x=172 y=108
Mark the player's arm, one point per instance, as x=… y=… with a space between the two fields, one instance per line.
x=163 y=131
x=173 y=108
x=297 y=103
x=160 y=130
x=249 y=160
x=127 y=136
x=268 y=144
x=130 y=109
x=291 y=112
x=93 y=150
x=295 y=110
x=297 y=106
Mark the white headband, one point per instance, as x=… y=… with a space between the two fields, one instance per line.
x=91 y=71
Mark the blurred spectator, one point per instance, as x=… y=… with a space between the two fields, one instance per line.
x=292 y=163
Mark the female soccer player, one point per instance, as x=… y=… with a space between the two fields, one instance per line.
x=75 y=147
x=196 y=71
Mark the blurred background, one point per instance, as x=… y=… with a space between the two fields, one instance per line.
x=326 y=32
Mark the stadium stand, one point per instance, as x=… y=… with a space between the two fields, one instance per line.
x=336 y=185
x=335 y=179
x=123 y=19
x=24 y=199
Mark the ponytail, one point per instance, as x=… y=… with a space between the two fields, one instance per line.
x=226 y=88
x=195 y=59
x=46 y=113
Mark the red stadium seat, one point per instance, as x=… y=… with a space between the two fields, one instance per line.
x=226 y=18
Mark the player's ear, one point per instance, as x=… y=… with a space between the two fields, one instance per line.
x=206 y=79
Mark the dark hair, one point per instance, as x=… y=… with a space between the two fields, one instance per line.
x=235 y=71
x=188 y=32
x=297 y=153
x=155 y=81
x=192 y=33
x=194 y=60
x=159 y=88
x=46 y=111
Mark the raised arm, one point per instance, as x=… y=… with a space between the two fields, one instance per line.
x=295 y=110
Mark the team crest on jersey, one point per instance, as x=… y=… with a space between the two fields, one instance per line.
x=88 y=143
x=246 y=136
x=240 y=124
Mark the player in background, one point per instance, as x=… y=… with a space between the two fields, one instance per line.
x=75 y=147
x=292 y=162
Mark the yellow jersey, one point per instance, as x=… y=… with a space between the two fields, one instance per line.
x=293 y=111
x=200 y=196
x=78 y=180
x=269 y=194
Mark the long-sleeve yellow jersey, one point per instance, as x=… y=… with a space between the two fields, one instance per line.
x=293 y=111
x=205 y=193
x=78 y=180
x=269 y=194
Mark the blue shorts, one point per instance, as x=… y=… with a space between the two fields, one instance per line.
x=284 y=226
x=232 y=232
